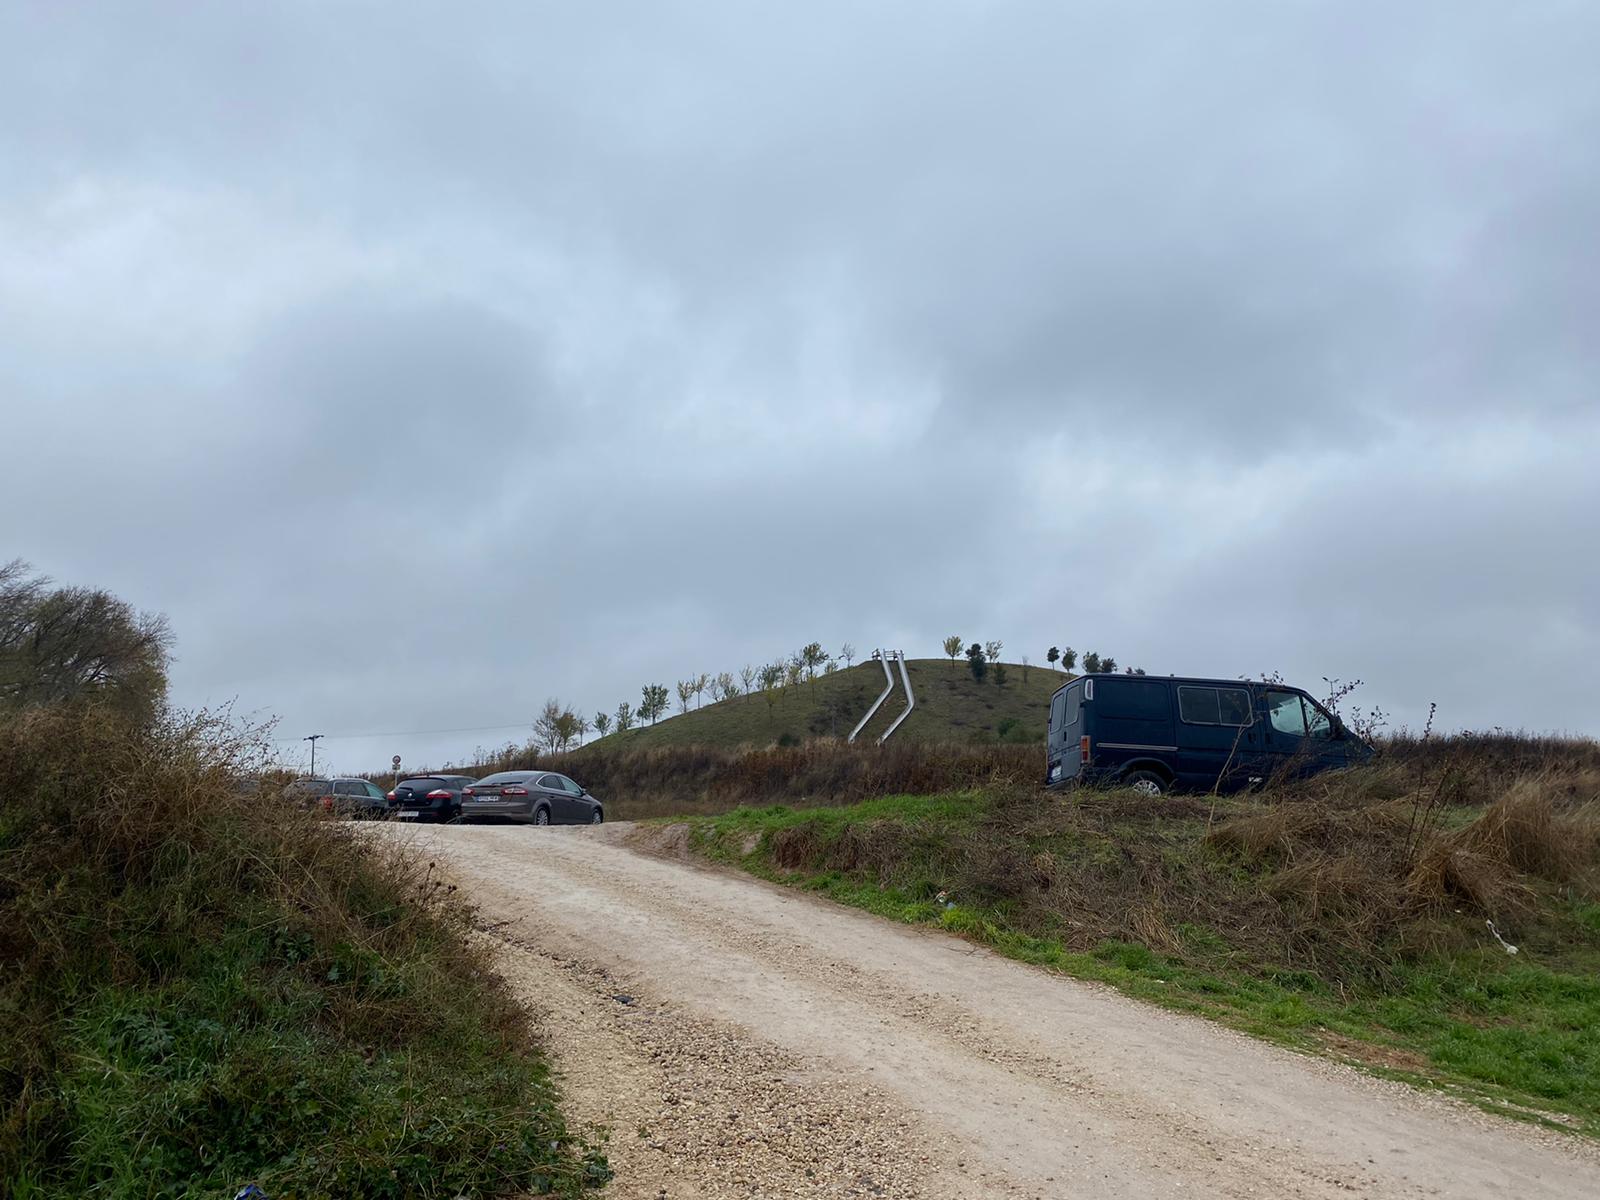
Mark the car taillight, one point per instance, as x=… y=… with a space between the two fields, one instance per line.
x=466 y=791
x=438 y=794
x=514 y=791
x=1083 y=748
x=391 y=796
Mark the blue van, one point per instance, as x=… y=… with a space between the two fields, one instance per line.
x=1168 y=734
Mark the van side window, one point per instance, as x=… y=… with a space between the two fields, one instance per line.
x=1057 y=708
x=1234 y=706
x=1319 y=724
x=1198 y=705
x=1213 y=706
x=1285 y=713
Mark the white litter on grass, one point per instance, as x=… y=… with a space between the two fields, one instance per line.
x=1504 y=945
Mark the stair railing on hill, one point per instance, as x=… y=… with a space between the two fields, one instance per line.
x=888 y=686
x=911 y=701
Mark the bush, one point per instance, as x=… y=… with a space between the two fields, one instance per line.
x=205 y=988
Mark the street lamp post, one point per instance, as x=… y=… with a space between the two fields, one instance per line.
x=313 y=740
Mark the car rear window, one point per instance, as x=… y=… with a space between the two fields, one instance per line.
x=1132 y=699
x=505 y=777
x=421 y=783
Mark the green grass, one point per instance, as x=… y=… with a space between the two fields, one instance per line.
x=1519 y=1035
x=951 y=706
x=205 y=989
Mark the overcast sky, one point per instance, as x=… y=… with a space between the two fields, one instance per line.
x=423 y=362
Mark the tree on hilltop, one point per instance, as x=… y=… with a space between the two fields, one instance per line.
x=952 y=647
x=976 y=663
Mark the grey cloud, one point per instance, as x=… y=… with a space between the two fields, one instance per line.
x=1221 y=338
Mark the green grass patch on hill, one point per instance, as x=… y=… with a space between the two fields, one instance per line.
x=1340 y=918
x=203 y=988
x=951 y=706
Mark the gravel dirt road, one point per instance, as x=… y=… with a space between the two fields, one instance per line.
x=739 y=1039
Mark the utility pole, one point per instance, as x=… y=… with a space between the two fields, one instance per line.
x=313 y=740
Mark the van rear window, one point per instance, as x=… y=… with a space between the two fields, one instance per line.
x=1133 y=699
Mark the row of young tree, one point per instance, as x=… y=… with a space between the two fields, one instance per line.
x=983 y=660
x=558 y=727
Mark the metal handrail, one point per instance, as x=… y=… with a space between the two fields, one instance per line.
x=888 y=686
x=911 y=701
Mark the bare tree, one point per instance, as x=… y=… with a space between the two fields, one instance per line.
x=848 y=653
x=952 y=648
x=991 y=650
x=724 y=687
x=547 y=725
x=685 y=691
x=794 y=672
x=701 y=682
x=1025 y=665
x=748 y=676
x=62 y=644
x=771 y=682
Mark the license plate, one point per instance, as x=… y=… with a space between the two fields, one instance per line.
x=483 y=799
x=405 y=813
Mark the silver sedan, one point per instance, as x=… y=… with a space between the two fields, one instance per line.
x=534 y=797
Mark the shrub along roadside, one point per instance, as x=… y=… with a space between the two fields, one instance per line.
x=1304 y=916
x=203 y=989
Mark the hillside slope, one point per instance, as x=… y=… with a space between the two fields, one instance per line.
x=951 y=706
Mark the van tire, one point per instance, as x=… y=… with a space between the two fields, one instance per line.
x=1146 y=783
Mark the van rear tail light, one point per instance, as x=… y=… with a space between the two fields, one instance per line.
x=438 y=794
x=514 y=791
x=1083 y=748
x=327 y=803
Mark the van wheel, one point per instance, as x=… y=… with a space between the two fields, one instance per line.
x=1146 y=783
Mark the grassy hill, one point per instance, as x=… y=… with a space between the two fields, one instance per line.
x=951 y=706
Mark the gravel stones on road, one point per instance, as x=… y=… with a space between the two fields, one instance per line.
x=698 y=1110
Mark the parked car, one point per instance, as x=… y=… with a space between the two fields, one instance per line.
x=1162 y=735
x=358 y=798
x=428 y=797
x=537 y=797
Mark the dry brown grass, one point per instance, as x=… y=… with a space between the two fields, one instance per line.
x=667 y=780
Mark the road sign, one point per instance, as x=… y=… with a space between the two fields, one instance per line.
x=396 y=762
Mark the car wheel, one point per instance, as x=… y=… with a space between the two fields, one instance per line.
x=1146 y=783
x=541 y=816
x=597 y=817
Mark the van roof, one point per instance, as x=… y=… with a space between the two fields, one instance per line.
x=1175 y=679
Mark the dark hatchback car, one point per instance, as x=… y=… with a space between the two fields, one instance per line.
x=428 y=797
x=1162 y=735
x=534 y=797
